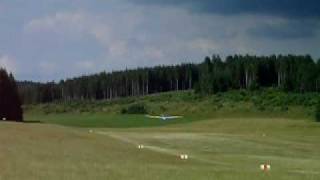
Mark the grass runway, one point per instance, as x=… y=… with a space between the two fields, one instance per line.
x=218 y=148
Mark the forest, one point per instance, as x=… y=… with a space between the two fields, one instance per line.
x=290 y=73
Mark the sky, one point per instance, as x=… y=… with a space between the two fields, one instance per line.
x=46 y=40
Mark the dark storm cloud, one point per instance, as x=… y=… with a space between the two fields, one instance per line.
x=287 y=30
x=283 y=8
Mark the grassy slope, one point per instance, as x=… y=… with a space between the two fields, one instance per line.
x=266 y=103
x=266 y=99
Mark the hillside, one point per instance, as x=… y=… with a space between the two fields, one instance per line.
x=263 y=103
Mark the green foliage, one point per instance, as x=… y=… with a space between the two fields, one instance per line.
x=284 y=108
x=318 y=112
x=269 y=102
x=134 y=109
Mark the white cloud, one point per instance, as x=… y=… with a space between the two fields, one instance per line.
x=8 y=63
x=154 y=53
x=48 y=67
x=85 y=65
x=131 y=39
x=59 y=22
x=203 y=45
x=138 y=36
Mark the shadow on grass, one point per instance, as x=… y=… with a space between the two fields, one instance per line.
x=32 y=122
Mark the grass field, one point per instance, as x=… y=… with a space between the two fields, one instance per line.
x=226 y=136
x=100 y=120
x=219 y=148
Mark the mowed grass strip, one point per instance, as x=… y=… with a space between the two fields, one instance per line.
x=33 y=151
x=100 y=120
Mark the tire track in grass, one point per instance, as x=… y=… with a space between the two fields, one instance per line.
x=162 y=150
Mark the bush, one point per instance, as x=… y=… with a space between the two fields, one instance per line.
x=318 y=112
x=134 y=109
x=219 y=106
x=284 y=108
x=261 y=107
x=163 y=108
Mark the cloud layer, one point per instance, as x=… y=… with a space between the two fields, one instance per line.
x=8 y=63
x=285 y=8
x=55 y=39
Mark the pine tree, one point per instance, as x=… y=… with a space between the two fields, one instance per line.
x=10 y=103
x=318 y=112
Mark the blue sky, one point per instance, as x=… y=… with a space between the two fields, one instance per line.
x=54 y=39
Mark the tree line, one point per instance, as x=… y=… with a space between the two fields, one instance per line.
x=213 y=75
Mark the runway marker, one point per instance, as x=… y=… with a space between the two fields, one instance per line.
x=265 y=167
x=184 y=156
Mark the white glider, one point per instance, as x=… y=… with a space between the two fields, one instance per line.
x=163 y=117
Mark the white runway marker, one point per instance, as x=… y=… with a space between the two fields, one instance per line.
x=158 y=149
x=90 y=131
x=184 y=156
x=141 y=146
x=268 y=167
x=265 y=167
